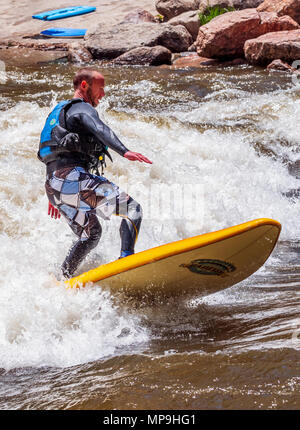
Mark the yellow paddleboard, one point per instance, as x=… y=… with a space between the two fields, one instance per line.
x=202 y=264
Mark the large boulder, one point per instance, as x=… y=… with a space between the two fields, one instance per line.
x=237 y=4
x=225 y=36
x=189 y=20
x=145 y=56
x=282 y=7
x=108 y=42
x=139 y=15
x=171 y=8
x=283 y=45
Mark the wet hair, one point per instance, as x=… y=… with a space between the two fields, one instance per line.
x=84 y=75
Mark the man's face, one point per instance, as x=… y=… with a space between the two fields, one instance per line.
x=95 y=91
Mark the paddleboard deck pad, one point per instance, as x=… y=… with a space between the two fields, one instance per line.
x=202 y=264
x=64 y=32
x=66 y=12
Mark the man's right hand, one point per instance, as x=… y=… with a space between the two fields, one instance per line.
x=53 y=212
x=136 y=156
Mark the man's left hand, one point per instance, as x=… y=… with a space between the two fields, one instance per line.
x=135 y=156
x=53 y=212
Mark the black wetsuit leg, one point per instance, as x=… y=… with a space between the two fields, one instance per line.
x=130 y=226
x=82 y=247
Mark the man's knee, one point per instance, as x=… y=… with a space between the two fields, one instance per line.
x=134 y=212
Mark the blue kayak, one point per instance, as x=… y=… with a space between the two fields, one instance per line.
x=64 y=32
x=64 y=13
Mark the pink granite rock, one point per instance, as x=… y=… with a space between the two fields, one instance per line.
x=281 y=66
x=283 y=45
x=225 y=35
x=282 y=7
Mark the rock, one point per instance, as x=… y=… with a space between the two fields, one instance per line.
x=281 y=66
x=237 y=4
x=139 y=15
x=193 y=47
x=26 y=56
x=270 y=22
x=78 y=54
x=108 y=42
x=37 y=43
x=145 y=56
x=234 y=62
x=282 y=7
x=193 y=60
x=225 y=35
x=245 y=4
x=189 y=20
x=284 y=45
x=171 y=8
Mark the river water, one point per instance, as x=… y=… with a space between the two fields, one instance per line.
x=234 y=134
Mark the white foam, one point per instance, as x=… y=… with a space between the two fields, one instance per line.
x=42 y=323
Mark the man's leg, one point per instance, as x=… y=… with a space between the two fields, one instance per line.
x=119 y=203
x=78 y=194
x=71 y=190
x=89 y=236
x=130 y=227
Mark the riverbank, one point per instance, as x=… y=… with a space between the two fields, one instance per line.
x=156 y=33
x=20 y=44
x=16 y=15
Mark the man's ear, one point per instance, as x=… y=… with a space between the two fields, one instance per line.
x=84 y=85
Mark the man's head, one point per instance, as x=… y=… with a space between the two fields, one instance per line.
x=89 y=85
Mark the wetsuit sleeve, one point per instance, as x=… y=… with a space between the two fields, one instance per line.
x=88 y=122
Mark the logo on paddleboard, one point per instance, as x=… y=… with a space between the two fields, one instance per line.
x=210 y=267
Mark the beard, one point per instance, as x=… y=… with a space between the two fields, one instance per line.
x=90 y=98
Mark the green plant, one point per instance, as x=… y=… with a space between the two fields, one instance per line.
x=212 y=12
x=159 y=17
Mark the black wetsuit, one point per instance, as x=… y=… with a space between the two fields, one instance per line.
x=94 y=136
x=77 y=193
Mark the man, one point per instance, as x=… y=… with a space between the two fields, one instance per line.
x=74 y=141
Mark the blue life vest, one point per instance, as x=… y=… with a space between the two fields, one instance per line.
x=54 y=132
x=59 y=145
